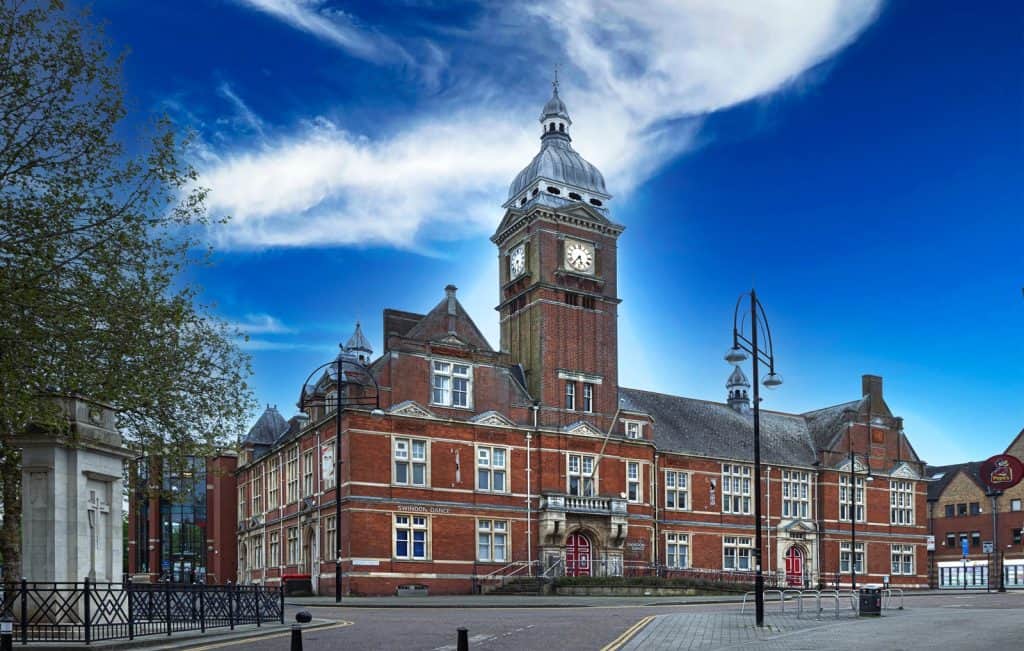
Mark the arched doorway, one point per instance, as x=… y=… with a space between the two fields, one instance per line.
x=312 y=552
x=795 y=566
x=578 y=554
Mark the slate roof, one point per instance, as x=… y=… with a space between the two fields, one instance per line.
x=270 y=425
x=358 y=340
x=825 y=425
x=704 y=428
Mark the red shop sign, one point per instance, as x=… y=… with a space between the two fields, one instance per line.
x=1002 y=471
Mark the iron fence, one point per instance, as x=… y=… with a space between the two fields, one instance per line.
x=89 y=611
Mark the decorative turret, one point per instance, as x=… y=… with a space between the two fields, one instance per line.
x=738 y=386
x=557 y=172
x=358 y=346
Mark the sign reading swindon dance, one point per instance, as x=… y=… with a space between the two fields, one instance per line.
x=1002 y=471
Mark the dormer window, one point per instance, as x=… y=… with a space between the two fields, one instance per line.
x=634 y=429
x=451 y=384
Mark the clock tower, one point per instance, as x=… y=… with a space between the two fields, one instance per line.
x=557 y=277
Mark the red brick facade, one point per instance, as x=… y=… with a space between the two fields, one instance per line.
x=532 y=458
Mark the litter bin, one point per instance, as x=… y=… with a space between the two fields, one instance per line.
x=871 y=601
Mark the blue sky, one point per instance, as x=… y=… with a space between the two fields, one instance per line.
x=860 y=163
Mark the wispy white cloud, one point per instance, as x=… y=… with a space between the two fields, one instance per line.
x=333 y=26
x=638 y=84
x=261 y=324
x=243 y=113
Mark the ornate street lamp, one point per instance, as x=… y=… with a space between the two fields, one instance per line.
x=354 y=386
x=741 y=347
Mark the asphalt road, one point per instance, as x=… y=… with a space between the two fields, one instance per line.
x=594 y=627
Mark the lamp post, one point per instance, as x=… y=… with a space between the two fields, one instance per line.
x=741 y=346
x=853 y=505
x=363 y=378
x=994 y=494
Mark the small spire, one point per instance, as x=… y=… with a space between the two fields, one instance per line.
x=554 y=82
x=737 y=387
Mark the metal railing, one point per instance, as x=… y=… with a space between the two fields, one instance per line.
x=89 y=612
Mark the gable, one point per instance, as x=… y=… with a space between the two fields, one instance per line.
x=1016 y=447
x=411 y=408
x=962 y=488
x=904 y=471
x=582 y=428
x=492 y=419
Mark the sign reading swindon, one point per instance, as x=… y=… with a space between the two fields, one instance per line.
x=1002 y=471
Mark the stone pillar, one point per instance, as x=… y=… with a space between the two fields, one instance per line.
x=72 y=496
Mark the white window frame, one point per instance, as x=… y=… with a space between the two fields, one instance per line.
x=273 y=486
x=294 y=549
x=859 y=496
x=413 y=526
x=256 y=489
x=796 y=495
x=291 y=473
x=677 y=490
x=274 y=557
x=736 y=489
x=677 y=550
x=576 y=468
x=1015 y=504
x=256 y=553
x=242 y=502
x=403 y=455
x=901 y=502
x=307 y=473
x=902 y=559
x=634 y=482
x=488 y=534
x=742 y=553
x=570 y=395
x=330 y=540
x=488 y=468
x=588 y=397
x=633 y=429
x=844 y=557
x=445 y=378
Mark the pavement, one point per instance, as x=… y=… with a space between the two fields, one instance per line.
x=212 y=637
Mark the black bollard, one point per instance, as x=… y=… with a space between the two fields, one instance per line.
x=296 y=637
x=463 y=639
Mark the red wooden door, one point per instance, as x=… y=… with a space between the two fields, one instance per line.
x=577 y=555
x=794 y=566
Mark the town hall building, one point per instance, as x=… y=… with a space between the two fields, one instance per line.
x=472 y=463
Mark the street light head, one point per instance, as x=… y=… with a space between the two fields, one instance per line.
x=736 y=355
x=773 y=380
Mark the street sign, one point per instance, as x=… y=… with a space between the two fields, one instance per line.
x=986 y=547
x=930 y=541
x=963 y=547
x=1002 y=471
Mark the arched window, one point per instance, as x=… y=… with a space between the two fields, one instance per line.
x=561 y=127
x=551 y=127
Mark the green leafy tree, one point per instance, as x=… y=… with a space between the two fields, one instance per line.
x=93 y=246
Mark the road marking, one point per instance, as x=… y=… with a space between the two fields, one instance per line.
x=627 y=635
x=220 y=645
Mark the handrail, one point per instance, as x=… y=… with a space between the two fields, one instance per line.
x=546 y=574
x=500 y=572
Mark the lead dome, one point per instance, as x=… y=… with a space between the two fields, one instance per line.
x=557 y=165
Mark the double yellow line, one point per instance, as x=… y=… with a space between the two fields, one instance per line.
x=259 y=638
x=627 y=635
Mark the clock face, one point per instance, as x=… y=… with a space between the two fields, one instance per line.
x=517 y=261
x=579 y=256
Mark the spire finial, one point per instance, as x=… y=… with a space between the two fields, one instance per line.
x=554 y=82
